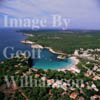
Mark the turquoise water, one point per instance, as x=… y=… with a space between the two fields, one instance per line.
x=49 y=60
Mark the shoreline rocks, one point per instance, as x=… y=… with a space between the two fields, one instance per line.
x=61 y=56
x=27 y=42
x=37 y=46
x=55 y=52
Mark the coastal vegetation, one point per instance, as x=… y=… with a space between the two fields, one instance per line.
x=18 y=67
x=66 y=41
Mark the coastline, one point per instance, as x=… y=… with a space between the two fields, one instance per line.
x=33 y=44
x=27 y=42
x=29 y=35
x=55 y=52
x=71 y=67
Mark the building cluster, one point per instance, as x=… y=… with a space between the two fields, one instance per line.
x=92 y=54
x=67 y=86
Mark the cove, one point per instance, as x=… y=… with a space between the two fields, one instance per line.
x=49 y=60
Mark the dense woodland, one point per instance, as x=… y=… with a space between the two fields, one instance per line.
x=43 y=93
x=66 y=41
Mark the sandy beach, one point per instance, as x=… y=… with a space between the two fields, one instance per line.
x=71 y=67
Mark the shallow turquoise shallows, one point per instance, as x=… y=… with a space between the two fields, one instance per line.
x=49 y=60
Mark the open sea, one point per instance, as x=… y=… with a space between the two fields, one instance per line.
x=12 y=40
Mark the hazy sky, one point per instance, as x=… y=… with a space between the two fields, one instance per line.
x=83 y=14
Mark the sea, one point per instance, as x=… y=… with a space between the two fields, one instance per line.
x=10 y=42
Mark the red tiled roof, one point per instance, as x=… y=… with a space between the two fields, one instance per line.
x=37 y=75
x=73 y=95
x=72 y=71
x=96 y=96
